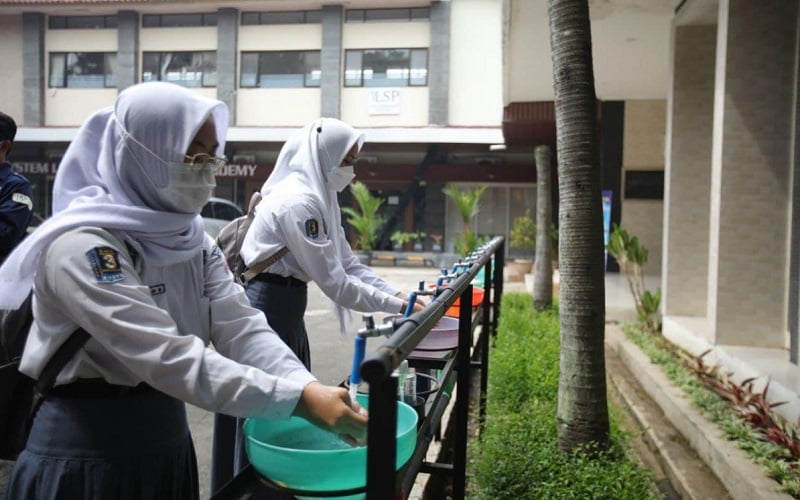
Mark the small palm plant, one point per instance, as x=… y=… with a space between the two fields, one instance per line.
x=366 y=220
x=631 y=257
x=468 y=204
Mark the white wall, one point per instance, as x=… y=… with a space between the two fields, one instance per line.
x=630 y=50
x=280 y=37
x=476 y=63
x=413 y=107
x=70 y=107
x=277 y=107
x=406 y=35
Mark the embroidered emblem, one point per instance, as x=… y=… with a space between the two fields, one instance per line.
x=157 y=289
x=105 y=264
x=22 y=199
x=312 y=228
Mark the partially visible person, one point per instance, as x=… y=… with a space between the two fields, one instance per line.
x=16 y=194
x=125 y=257
x=300 y=212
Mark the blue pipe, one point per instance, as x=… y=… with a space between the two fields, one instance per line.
x=358 y=358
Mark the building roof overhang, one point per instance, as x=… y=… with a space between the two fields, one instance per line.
x=388 y=135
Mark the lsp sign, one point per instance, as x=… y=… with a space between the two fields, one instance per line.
x=384 y=101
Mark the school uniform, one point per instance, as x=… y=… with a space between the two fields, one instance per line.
x=299 y=211
x=16 y=208
x=116 y=414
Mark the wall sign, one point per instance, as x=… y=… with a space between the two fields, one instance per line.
x=384 y=101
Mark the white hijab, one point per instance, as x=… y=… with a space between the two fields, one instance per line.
x=308 y=157
x=107 y=178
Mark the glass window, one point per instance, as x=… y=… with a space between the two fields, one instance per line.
x=81 y=22
x=289 y=17
x=289 y=69
x=420 y=14
x=250 y=18
x=354 y=16
x=386 y=15
x=190 y=69
x=419 y=67
x=352 y=68
x=283 y=17
x=178 y=20
x=83 y=70
x=386 y=68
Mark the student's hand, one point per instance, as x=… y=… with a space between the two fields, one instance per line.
x=330 y=408
x=419 y=303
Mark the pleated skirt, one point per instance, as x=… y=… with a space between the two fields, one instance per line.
x=132 y=446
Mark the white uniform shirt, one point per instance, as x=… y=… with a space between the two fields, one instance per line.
x=284 y=218
x=154 y=324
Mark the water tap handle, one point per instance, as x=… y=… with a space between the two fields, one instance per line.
x=372 y=330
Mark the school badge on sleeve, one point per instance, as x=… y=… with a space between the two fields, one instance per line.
x=105 y=264
x=312 y=228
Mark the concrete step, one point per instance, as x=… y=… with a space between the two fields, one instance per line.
x=690 y=451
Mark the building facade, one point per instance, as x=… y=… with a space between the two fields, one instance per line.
x=402 y=71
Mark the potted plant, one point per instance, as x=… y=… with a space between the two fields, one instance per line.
x=468 y=205
x=365 y=221
x=522 y=237
x=401 y=238
x=437 y=242
x=419 y=240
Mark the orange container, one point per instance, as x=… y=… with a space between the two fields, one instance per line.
x=477 y=300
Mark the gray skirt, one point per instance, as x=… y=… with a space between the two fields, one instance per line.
x=134 y=444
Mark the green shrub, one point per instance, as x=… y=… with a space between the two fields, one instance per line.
x=517 y=456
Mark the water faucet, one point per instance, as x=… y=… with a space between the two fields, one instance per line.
x=371 y=330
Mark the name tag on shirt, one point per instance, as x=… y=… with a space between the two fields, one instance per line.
x=22 y=199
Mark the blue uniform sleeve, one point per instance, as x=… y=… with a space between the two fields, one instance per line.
x=16 y=211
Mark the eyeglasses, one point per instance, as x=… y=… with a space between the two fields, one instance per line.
x=201 y=160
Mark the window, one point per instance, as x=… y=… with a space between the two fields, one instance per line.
x=386 y=68
x=190 y=69
x=81 y=22
x=282 y=17
x=387 y=15
x=178 y=20
x=290 y=69
x=83 y=70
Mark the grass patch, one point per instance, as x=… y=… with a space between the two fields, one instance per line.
x=517 y=455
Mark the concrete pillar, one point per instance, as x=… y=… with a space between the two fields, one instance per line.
x=127 y=49
x=687 y=176
x=439 y=64
x=33 y=83
x=331 y=60
x=227 y=46
x=751 y=172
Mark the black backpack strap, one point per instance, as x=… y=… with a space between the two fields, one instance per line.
x=254 y=271
x=63 y=354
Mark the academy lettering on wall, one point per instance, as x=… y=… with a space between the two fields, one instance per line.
x=244 y=170
x=236 y=170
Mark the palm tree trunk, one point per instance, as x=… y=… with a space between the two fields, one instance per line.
x=543 y=271
x=582 y=399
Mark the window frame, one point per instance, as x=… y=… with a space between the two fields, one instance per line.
x=260 y=54
x=109 y=77
x=161 y=54
x=410 y=69
x=205 y=19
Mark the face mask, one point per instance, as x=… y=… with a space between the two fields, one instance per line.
x=189 y=187
x=340 y=177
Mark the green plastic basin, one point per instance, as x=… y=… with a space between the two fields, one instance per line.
x=296 y=454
